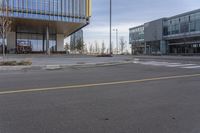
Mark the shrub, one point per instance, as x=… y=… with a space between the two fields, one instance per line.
x=9 y=63
x=24 y=63
x=15 y=63
x=104 y=55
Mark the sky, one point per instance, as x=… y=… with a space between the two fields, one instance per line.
x=130 y=13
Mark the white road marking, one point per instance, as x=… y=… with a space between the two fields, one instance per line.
x=98 y=84
x=192 y=67
x=181 y=65
x=167 y=64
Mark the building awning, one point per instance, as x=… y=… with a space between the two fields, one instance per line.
x=183 y=35
x=182 y=43
x=57 y=27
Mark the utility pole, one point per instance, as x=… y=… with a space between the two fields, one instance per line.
x=110 y=26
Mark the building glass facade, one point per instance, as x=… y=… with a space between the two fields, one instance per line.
x=75 y=39
x=179 y=34
x=137 y=34
x=136 y=38
x=39 y=25
x=182 y=24
x=36 y=42
x=54 y=10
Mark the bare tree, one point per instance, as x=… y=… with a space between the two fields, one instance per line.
x=80 y=45
x=103 y=47
x=85 y=48
x=67 y=48
x=122 y=44
x=97 y=50
x=91 y=49
x=5 y=22
x=107 y=51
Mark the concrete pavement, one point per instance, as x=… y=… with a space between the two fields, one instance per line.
x=65 y=59
x=157 y=106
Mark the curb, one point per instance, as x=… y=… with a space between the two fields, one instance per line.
x=14 y=68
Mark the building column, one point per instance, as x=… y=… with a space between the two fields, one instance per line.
x=47 y=40
x=167 y=47
x=43 y=42
x=163 y=47
x=145 y=48
x=11 y=42
x=60 y=42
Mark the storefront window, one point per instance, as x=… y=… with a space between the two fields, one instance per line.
x=34 y=43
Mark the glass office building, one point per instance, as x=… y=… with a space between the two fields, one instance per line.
x=179 y=34
x=75 y=39
x=43 y=24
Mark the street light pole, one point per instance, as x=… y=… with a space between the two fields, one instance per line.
x=110 y=26
x=117 y=44
x=117 y=40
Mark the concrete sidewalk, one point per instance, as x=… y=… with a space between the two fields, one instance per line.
x=45 y=62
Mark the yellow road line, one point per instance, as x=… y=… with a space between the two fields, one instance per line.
x=99 y=84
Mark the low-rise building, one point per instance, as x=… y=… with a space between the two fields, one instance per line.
x=179 y=34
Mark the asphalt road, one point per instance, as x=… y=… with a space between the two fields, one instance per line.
x=131 y=98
